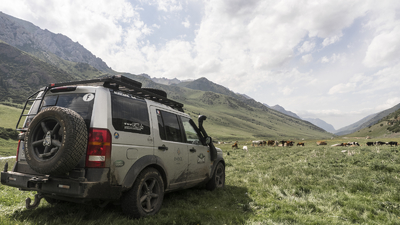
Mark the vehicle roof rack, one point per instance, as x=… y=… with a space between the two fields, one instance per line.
x=125 y=85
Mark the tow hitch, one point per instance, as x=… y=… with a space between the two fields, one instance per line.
x=38 y=196
x=36 y=202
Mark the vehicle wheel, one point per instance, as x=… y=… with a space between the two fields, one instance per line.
x=218 y=178
x=55 y=141
x=146 y=195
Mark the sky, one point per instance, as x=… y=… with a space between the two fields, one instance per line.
x=338 y=61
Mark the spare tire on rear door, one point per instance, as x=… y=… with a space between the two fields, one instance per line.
x=55 y=141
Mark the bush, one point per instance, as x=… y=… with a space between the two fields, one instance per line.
x=7 y=133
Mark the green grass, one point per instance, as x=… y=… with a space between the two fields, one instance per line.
x=266 y=185
x=8 y=147
x=9 y=116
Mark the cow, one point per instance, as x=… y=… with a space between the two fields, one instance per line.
x=321 y=143
x=300 y=144
x=391 y=143
x=256 y=143
x=370 y=143
x=379 y=143
x=235 y=146
x=264 y=143
x=353 y=143
x=289 y=143
x=245 y=148
x=270 y=143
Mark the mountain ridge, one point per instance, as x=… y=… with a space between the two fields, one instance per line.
x=43 y=44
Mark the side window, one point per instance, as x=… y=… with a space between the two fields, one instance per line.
x=191 y=135
x=168 y=124
x=130 y=115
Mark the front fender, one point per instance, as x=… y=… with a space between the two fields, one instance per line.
x=139 y=165
x=217 y=160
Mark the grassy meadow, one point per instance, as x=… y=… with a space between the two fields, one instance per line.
x=9 y=116
x=266 y=185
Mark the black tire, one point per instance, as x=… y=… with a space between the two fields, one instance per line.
x=218 y=178
x=55 y=141
x=146 y=195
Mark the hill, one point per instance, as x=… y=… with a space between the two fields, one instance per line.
x=203 y=84
x=387 y=127
x=55 y=49
x=320 y=123
x=367 y=121
x=22 y=74
x=284 y=111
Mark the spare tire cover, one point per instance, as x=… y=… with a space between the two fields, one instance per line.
x=55 y=141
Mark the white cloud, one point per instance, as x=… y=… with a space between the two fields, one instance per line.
x=384 y=49
x=334 y=58
x=307 y=47
x=186 y=23
x=211 y=66
x=324 y=59
x=307 y=58
x=331 y=40
x=342 y=88
x=287 y=91
x=166 y=5
x=388 y=104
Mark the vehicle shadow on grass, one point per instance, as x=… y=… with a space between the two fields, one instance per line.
x=229 y=205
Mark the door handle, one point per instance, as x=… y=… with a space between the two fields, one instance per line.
x=192 y=150
x=163 y=147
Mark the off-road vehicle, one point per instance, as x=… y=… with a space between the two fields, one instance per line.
x=110 y=140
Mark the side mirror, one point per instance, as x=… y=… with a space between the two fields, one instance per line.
x=208 y=140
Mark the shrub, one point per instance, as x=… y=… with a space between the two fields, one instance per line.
x=7 y=133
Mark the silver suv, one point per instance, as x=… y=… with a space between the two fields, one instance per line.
x=110 y=140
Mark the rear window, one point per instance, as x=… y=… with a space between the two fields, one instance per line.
x=82 y=103
x=130 y=114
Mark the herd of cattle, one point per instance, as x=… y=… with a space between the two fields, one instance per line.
x=291 y=143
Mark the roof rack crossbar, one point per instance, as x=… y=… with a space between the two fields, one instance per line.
x=126 y=85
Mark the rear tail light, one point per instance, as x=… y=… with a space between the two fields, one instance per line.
x=99 y=148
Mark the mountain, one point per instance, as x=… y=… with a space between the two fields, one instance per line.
x=203 y=84
x=55 y=49
x=320 y=123
x=387 y=127
x=367 y=121
x=165 y=81
x=246 y=96
x=354 y=126
x=22 y=74
x=284 y=111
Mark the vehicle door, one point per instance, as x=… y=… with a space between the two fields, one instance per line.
x=170 y=147
x=132 y=136
x=199 y=156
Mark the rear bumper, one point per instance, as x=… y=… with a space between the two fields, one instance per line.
x=67 y=189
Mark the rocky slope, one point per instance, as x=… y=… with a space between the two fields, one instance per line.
x=45 y=44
